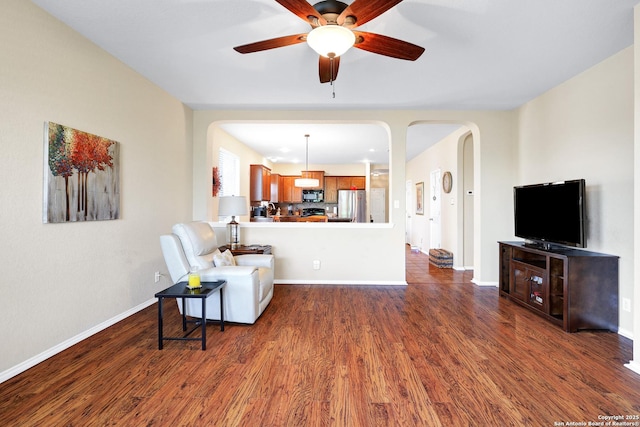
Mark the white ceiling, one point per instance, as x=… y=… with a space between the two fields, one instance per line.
x=480 y=54
x=286 y=143
x=331 y=143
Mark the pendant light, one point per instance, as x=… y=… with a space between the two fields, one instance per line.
x=305 y=181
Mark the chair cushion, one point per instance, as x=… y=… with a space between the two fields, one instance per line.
x=266 y=284
x=199 y=234
x=222 y=259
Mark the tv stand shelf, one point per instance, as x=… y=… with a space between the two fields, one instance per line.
x=573 y=288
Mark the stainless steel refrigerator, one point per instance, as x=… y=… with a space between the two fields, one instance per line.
x=352 y=204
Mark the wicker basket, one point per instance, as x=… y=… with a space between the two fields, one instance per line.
x=441 y=258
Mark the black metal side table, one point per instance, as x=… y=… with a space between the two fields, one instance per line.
x=180 y=290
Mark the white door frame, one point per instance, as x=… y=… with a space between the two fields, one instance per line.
x=435 y=209
x=408 y=209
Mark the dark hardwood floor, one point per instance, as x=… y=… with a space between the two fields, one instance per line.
x=440 y=351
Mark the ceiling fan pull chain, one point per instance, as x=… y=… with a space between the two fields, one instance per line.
x=333 y=88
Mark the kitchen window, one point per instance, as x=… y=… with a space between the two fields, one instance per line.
x=229 y=170
x=229 y=173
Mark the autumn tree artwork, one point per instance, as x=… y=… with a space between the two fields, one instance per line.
x=81 y=176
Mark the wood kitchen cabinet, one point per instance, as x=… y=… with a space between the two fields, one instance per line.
x=260 y=183
x=359 y=182
x=334 y=183
x=289 y=193
x=331 y=189
x=344 y=182
x=275 y=188
x=349 y=182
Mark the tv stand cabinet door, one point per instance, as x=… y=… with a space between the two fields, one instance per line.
x=538 y=290
x=519 y=281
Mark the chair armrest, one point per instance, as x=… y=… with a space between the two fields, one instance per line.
x=257 y=260
x=225 y=273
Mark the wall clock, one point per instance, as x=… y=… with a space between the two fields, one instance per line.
x=447 y=182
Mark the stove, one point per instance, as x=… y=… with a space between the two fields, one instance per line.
x=313 y=211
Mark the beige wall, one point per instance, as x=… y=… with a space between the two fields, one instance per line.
x=467 y=197
x=635 y=363
x=584 y=129
x=61 y=281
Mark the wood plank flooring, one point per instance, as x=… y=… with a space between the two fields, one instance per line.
x=440 y=351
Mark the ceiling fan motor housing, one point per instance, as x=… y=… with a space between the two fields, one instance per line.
x=331 y=9
x=330 y=6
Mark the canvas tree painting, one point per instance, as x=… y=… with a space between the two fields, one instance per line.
x=81 y=176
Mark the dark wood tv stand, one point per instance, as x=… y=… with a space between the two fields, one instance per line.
x=572 y=288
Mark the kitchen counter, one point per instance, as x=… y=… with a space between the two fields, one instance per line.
x=261 y=219
x=300 y=218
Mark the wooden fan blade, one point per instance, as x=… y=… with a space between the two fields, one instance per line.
x=326 y=74
x=387 y=46
x=303 y=10
x=366 y=10
x=271 y=43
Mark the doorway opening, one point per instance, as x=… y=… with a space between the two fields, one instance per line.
x=442 y=156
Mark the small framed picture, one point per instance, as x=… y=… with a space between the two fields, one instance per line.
x=420 y=198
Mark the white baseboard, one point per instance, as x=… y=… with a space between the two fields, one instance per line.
x=462 y=268
x=625 y=333
x=634 y=366
x=479 y=283
x=29 y=363
x=340 y=282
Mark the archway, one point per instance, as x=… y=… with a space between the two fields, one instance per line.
x=449 y=147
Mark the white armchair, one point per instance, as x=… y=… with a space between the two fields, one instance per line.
x=249 y=286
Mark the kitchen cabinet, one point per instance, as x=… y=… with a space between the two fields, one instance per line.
x=359 y=182
x=260 y=183
x=344 y=182
x=289 y=192
x=275 y=187
x=350 y=182
x=334 y=183
x=331 y=189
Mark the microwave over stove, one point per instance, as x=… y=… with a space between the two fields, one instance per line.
x=313 y=196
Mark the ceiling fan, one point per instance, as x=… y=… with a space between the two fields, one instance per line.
x=332 y=33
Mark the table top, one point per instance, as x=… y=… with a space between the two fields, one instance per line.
x=247 y=249
x=180 y=290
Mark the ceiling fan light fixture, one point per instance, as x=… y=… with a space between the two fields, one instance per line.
x=331 y=40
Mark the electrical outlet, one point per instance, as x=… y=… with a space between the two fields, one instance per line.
x=157 y=276
x=316 y=264
x=626 y=304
